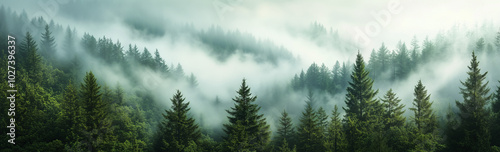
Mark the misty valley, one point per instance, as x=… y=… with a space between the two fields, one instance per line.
x=160 y=83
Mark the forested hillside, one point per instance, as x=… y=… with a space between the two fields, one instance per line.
x=78 y=92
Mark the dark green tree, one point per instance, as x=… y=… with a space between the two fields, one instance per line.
x=29 y=59
x=361 y=107
x=95 y=111
x=360 y=95
x=495 y=126
x=394 y=121
x=309 y=131
x=473 y=114
x=286 y=132
x=393 y=115
x=246 y=126
x=178 y=128
x=71 y=116
x=335 y=140
x=425 y=120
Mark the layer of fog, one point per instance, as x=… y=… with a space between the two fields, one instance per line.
x=278 y=21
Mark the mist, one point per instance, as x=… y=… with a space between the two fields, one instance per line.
x=288 y=35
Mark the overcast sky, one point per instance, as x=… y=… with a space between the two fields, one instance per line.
x=382 y=21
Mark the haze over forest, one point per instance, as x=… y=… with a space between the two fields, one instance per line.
x=289 y=53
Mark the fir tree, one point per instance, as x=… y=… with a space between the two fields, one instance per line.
x=245 y=123
x=361 y=107
x=360 y=95
x=179 y=128
x=309 y=131
x=94 y=110
x=285 y=130
x=394 y=122
x=425 y=120
x=335 y=140
x=393 y=115
x=30 y=60
x=48 y=44
x=473 y=113
x=495 y=126
x=72 y=118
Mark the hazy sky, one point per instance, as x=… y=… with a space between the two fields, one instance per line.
x=382 y=21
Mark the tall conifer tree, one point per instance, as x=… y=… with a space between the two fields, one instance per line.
x=473 y=114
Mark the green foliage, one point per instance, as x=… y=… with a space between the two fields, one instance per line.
x=335 y=139
x=95 y=113
x=425 y=138
x=48 y=45
x=285 y=132
x=179 y=132
x=473 y=114
x=393 y=114
x=309 y=131
x=495 y=123
x=363 y=111
x=247 y=129
x=71 y=117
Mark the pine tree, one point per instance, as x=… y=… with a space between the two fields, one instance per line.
x=309 y=131
x=361 y=106
x=48 y=44
x=473 y=113
x=193 y=83
x=94 y=110
x=393 y=115
x=69 y=42
x=285 y=130
x=383 y=58
x=374 y=64
x=72 y=117
x=160 y=63
x=425 y=120
x=179 y=128
x=394 y=122
x=30 y=60
x=285 y=147
x=322 y=120
x=246 y=125
x=89 y=43
x=336 y=79
x=335 y=140
x=495 y=126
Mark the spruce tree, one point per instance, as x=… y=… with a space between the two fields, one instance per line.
x=71 y=118
x=285 y=131
x=246 y=125
x=29 y=59
x=473 y=114
x=361 y=107
x=393 y=115
x=179 y=128
x=394 y=122
x=495 y=126
x=48 y=44
x=425 y=120
x=309 y=131
x=335 y=140
x=360 y=95
x=94 y=110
